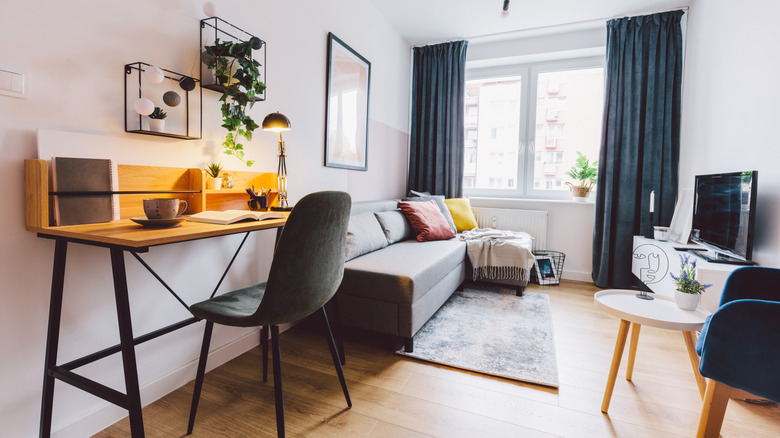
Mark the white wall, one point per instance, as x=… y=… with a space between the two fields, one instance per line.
x=74 y=52
x=730 y=105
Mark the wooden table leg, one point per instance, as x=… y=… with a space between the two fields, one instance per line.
x=632 y=350
x=713 y=409
x=690 y=345
x=616 y=357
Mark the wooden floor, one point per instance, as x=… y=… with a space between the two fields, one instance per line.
x=395 y=396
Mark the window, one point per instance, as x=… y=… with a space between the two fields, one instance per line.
x=530 y=122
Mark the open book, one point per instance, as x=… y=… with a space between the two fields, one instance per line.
x=232 y=216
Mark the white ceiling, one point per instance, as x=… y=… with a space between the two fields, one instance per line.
x=423 y=22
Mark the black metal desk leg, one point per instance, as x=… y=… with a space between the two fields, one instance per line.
x=126 y=341
x=53 y=336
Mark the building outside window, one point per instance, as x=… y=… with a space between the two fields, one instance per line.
x=530 y=122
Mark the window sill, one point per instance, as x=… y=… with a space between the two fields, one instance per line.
x=478 y=201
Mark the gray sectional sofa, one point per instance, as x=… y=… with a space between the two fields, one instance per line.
x=392 y=283
x=396 y=287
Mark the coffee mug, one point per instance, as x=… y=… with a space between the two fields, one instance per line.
x=164 y=208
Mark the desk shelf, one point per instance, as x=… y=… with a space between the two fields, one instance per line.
x=188 y=184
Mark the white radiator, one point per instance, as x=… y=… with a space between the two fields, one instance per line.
x=530 y=221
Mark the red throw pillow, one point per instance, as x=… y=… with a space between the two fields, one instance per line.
x=427 y=220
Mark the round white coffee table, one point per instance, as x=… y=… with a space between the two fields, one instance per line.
x=661 y=312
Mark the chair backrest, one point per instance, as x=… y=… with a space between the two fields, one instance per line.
x=308 y=264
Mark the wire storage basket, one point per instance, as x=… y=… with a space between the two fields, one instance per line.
x=548 y=267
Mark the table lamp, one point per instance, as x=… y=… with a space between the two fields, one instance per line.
x=278 y=122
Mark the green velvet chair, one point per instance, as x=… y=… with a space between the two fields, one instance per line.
x=305 y=273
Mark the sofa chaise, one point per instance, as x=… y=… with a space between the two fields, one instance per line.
x=392 y=283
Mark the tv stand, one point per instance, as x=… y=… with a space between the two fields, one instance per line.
x=653 y=261
x=720 y=258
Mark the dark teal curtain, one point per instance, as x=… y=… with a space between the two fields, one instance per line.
x=640 y=144
x=437 y=131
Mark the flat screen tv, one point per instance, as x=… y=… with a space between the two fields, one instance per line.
x=724 y=213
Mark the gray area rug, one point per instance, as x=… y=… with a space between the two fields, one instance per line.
x=491 y=331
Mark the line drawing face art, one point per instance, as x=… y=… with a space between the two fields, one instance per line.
x=650 y=263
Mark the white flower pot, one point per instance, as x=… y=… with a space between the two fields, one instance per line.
x=686 y=301
x=157 y=125
x=215 y=183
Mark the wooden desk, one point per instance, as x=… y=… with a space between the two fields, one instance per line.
x=119 y=237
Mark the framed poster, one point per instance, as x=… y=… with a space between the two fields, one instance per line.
x=545 y=271
x=346 y=107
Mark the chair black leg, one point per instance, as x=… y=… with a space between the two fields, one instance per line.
x=409 y=345
x=204 y=353
x=336 y=361
x=337 y=325
x=264 y=347
x=278 y=395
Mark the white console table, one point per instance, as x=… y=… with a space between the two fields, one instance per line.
x=653 y=260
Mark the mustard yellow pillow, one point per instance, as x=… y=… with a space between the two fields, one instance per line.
x=460 y=209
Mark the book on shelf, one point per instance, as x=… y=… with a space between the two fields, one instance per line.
x=79 y=176
x=232 y=216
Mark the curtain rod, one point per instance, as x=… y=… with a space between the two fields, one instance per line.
x=576 y=25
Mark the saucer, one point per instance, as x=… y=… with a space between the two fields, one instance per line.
x=159 y=223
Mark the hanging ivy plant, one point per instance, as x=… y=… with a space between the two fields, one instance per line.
x=239 y=74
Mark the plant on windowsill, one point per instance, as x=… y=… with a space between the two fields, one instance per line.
x=239 y=75
x=688 y=288
x=213 y=170
x=157 y=120
x=585 y=175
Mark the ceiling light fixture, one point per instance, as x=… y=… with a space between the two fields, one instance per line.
x=505 y=9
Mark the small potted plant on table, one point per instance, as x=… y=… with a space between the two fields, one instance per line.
x=213 y=170
x=157 y=120
x=585 y=175
x=688 y=288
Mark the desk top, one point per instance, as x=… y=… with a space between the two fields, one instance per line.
x=132 y=236
x=662 y=312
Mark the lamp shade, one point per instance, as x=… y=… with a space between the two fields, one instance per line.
x=276 y=122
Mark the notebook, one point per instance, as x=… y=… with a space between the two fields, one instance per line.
x=84 y=175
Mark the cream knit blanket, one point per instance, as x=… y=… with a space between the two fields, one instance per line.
x=497 y=254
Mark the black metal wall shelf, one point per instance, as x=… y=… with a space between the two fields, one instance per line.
x=181 y=118
x=215 y=27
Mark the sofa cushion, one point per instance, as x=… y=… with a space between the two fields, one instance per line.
x=402 y=272
x=427 y=220
x=439 y=199
x=462 y=215
x=364 y=234
x=394 y=225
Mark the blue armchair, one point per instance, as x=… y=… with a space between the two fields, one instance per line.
x=739 y=344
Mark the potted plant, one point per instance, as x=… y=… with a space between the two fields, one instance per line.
x=157 y=120
x=239 y=76
x=213 y=170
x=584 y=174
x=688 y=288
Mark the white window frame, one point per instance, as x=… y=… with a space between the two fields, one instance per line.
x=528 y=74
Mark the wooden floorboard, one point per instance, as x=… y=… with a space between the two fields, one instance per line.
x=399 y=397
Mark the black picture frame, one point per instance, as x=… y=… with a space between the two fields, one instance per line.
x=545 y=270
x=346 y=107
